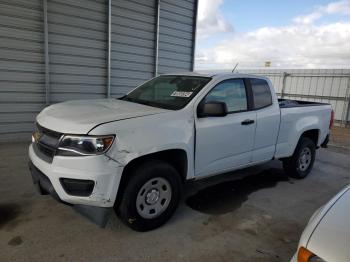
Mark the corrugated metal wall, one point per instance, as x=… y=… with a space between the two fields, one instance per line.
x=134 y=40
x=133 y=44
x=176 y=32
x=22 y=92
x=78 y=51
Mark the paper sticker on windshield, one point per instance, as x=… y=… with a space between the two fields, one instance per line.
x=181 y=94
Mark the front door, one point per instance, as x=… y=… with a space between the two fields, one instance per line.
x=225 y=143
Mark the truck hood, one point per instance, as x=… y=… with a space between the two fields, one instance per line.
x=80 y=116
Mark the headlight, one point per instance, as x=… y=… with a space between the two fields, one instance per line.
x=84 y=145
x=305 y=255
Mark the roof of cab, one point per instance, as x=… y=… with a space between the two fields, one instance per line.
x=219 y=75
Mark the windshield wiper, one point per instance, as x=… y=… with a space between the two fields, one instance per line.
x=148 y=103
x=125 y=98
x=135 y=100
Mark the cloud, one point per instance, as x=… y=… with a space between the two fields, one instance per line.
x=309 y=18
x=301 y=44
x=340 y=7
x=210 y=20
x=290 y=47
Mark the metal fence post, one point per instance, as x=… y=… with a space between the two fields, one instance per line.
x=46 y=51
x=283 y=84
x=156 y=52
x=194 y=33
x=346 y=120
x=109 y=49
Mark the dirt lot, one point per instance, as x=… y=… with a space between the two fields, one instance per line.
x=253 y=215
x=340 y=138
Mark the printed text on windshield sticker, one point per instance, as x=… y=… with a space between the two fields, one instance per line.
x=181 y=94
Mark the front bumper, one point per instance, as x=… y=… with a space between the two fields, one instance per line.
x=104 y=172
x=98 y=215
x=42 y=183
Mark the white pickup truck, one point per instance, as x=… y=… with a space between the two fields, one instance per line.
x=135 y=153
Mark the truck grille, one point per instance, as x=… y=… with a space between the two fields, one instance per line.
x=47 y=143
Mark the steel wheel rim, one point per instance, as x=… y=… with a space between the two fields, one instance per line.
x=304 y=159
x=153 y=198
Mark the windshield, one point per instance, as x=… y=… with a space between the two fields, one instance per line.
x=168 y=91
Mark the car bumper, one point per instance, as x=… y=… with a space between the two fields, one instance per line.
x=103 y=172
x=294 y=258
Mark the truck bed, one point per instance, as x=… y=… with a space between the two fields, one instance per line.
x=298 y=117
x=287 y=103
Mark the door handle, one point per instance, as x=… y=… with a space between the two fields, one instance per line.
x=247 y=122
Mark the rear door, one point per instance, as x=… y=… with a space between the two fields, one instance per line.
x=226 y=143
x=267 y=119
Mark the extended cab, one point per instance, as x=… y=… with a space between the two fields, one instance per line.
x=134 y=153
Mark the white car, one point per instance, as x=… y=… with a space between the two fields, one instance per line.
x=134 y=153
x=327 y=235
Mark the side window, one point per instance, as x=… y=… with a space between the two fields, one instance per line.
x=261 y=93
x=232 y=92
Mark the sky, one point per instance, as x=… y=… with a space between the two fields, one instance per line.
x=289 y=34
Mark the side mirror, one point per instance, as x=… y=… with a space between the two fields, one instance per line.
x=211 y=108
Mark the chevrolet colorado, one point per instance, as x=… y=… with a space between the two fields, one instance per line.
x=133 y=154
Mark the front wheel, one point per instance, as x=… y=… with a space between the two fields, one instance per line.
x=151 y=196
x=300 y=164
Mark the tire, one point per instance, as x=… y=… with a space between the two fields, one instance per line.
x=149 y=185
x=300 y=164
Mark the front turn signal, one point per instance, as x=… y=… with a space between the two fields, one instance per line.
x=305 y=255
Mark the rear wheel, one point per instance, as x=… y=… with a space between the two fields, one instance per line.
x=300 y=164
x=151 y=196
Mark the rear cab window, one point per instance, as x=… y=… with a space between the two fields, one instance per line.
x=261 y=93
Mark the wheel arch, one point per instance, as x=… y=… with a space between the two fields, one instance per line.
x=313 y=134
x=178 y=158
x=288 y=151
